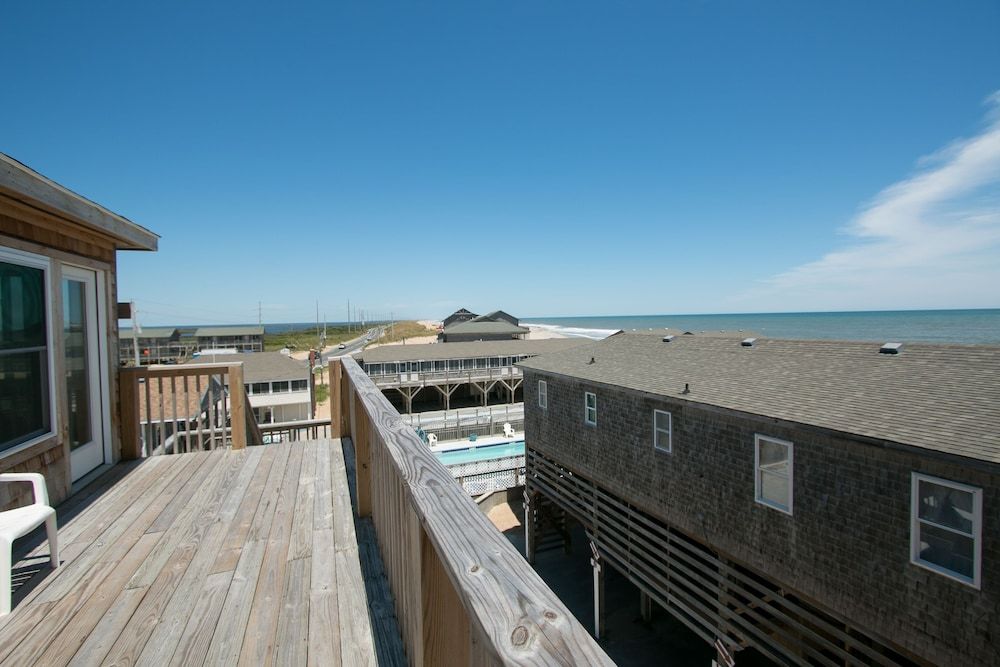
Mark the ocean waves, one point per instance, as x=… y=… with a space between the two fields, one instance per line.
x=576 y=332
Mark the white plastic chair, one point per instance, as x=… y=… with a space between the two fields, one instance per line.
x=19 y=522
x=508 y=430
x=432 y=439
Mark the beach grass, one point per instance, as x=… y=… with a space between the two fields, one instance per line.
x=402 y=330
x=306 y=339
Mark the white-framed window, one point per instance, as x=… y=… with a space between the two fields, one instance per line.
x=26 y=386
x=662 y=430
x=946 y=528
x=543 y=394
x=590 y=408
x=773 y=472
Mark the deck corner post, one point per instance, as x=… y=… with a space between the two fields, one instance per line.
x=128 y=387
x=336 y=399
x=237 y=406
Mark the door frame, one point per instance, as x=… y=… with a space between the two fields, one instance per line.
x=100 y=365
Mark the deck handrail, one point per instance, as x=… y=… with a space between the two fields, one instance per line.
x=192 y=395
x=463 y=594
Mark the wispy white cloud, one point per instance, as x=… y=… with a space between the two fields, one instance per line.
x=931 y=240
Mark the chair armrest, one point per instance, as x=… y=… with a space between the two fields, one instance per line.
x=37 y=482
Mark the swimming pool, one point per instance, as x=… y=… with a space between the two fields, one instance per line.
x=481 y=453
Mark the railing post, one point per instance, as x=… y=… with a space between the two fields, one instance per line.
x=128 y=387
x=336 y=403
x=363 y=459
x=237 y=406
x=446 y=630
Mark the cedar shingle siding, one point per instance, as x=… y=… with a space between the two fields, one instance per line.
x=847 y=545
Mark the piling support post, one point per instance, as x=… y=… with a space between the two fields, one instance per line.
x=599 y=615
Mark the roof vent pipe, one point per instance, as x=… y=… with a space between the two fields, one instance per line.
x=891 y=348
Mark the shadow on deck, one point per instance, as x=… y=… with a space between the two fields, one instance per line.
x=251 y=556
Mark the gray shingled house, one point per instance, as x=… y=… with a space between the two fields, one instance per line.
x=241 y=339
x=821 y=502
x=463 y=326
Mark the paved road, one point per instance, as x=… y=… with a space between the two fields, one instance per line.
x=350 y=346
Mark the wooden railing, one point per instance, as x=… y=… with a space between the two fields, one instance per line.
x=296 y=431
x=183 y=408
x=463 y=594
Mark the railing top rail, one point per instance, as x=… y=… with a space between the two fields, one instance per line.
x=520 y=618
x=300 y=423
x=180 y=370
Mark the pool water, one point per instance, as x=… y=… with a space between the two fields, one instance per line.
x=481 y=453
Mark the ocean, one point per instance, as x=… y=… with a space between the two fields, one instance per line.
x=981 y=326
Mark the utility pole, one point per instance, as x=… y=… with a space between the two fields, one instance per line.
x=136 y=330
x=259 y=322
x=317 y=325
x=348 y=315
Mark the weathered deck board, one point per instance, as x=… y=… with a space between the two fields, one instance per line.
x=221 y=557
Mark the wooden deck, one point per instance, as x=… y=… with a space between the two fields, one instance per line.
x=221 y=557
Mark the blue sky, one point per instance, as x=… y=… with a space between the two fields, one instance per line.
x=548 y=158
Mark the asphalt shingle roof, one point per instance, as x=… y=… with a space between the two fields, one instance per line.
x=474 y=327
x=471 y=350
x=260 y=366
x=938 y=397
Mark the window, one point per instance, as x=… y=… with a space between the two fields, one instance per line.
x=661 y=430
x=773 y=461
x=300 y=385
x=590 y=408
x=279 y=387
x=25 y=386
x=260 y=388
x=543 y=394
x=946 y=528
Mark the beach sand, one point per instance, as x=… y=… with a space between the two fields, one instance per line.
x=541 y=333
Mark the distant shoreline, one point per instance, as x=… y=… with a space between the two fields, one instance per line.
x=967 y=326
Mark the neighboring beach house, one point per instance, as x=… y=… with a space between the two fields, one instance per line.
x=460 y=315
x=278 y=386
x=58 y=330
x=155 y=345
x=814 y=500
x=463 y=326
x=477 y=372
x=241 y=339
